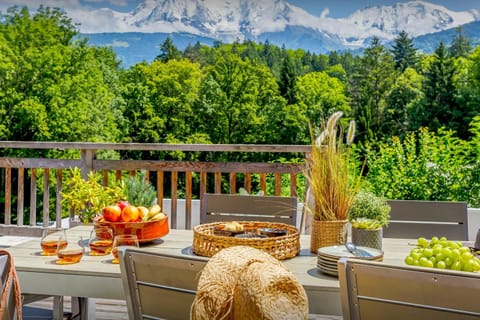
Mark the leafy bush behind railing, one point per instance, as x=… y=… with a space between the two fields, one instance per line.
x=427 y=166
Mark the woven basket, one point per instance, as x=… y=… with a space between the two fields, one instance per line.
x=246 y=283
x=206 y=243
x=327 y=233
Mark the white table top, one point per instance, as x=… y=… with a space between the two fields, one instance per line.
x=97 y=277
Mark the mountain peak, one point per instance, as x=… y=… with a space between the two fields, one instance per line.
x=225 y=20
x=249 y=19
x=385 y=22
x=275 y=21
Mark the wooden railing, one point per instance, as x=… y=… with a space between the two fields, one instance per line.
x=29 y=170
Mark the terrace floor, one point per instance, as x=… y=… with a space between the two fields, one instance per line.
x=117 y=309
x=105 y=309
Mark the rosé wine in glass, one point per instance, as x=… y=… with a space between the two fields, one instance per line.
x=50 y=241
x=123 y=240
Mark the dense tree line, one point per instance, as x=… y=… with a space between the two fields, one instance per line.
x=52 y=86
x=56 y=87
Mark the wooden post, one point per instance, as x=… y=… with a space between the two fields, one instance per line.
x=86 y=158
x=20 y=195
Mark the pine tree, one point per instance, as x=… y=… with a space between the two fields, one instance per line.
x=168 y=51
x=439 y=107
x=460 y=45
x=369 y=87
x=404 y=53
x=287 y=80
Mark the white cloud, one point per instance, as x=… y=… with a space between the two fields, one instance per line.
x=120 y=3
x=119 y=44
x=90 y=20
x=324 y=14
x=33 y=4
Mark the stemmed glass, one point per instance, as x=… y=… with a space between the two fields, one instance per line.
x=100 y=241
x=69 y=252
x=123 y=240
x=49 y=240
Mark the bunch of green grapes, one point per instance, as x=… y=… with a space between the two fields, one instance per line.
x=443 y=254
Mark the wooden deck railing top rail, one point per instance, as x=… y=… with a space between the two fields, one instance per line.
x=192 y=175
x=156 y=146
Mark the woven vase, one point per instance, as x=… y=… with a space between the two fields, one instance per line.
x=327 y=233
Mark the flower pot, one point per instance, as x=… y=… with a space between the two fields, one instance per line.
x=327 y=233
x=368 y=238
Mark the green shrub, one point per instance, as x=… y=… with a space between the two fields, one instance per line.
x=425 y=166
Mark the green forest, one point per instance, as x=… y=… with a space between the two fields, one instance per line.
x=417 y=114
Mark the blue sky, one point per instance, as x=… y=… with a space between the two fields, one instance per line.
x=337 y=8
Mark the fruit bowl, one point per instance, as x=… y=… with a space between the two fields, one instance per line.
x=146 y=231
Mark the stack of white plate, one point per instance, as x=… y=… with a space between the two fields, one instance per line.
x=329 y=256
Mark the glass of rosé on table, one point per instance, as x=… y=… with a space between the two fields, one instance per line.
x=100 y=241
x=72 y=252
x=123 y=240
x=49 y=241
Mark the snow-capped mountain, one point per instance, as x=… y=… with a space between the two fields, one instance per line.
x=385 y=22
x=222 y=20
x=136 y=35
x=250 y=19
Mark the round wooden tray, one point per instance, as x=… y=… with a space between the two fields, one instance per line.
x=206 y=243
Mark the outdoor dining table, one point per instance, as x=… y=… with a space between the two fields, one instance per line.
x=98 y=277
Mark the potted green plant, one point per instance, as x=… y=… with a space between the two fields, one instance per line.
x=87 y=197
x=368 y=214
x=333 y=183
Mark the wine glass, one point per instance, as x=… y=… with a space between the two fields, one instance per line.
x=49 y=240
x=100 y=241
x=123 y=240
x=70 y=249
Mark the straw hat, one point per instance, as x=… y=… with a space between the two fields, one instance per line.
x=246 y=283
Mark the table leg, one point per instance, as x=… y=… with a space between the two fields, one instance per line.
x=85 y=307
x=58 y=307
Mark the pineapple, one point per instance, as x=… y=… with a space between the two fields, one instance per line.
x=140 y=192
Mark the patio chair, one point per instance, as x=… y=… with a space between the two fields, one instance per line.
x=415 y=218
x=159 y=285
x=228 y=207
x=35 y=312
x=10 y=302
x=374 y=290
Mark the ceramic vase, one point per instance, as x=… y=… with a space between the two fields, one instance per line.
x=368 y=238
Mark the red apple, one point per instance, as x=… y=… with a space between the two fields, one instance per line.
x=122 y=204
x=112 y=213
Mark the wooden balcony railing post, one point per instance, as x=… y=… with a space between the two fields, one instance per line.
x=188 y=200
x=174 y=188
x=86 y=158
x=20 y=195
x=58 y=199
x=233 y=182
x=8 y=195
x=33 y=197
x=46 y=196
